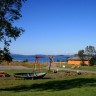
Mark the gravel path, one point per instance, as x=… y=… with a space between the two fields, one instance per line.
x=3 y=67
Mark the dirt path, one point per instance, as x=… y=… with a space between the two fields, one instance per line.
x=6 y=67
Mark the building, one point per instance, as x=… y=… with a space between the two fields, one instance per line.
x=75 y=59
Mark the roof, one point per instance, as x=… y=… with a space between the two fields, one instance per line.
x=76 y=57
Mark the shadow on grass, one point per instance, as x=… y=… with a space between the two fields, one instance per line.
x=55 y=85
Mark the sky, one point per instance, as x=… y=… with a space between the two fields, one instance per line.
x=56 y=27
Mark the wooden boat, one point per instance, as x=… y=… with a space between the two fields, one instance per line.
x=31 y=75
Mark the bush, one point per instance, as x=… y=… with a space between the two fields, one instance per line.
x=26 y=60
x=92 y=61
x=60 y=60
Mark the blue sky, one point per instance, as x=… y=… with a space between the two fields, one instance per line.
x=56 y=27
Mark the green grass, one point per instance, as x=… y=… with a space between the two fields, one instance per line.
x=11 y=72
x=89 y=68
x=70 y=86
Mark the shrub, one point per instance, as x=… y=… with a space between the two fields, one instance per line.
x=26 y=60
x=92 y=61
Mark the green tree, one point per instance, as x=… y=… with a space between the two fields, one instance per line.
x=90 y=50
x=81 y=56
x=92 y=61
x=9 y=13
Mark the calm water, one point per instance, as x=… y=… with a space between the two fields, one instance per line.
x=31 y=58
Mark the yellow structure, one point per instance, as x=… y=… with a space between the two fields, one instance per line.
x=77 y=61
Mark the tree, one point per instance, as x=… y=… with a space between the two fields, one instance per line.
x=92 y=61
x=9 y=13
x=81 y=56
x=90 y=50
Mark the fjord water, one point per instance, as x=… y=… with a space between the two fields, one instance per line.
x=31 y=58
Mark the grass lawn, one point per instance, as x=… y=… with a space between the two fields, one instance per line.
x=89 y=68
x=66 y=86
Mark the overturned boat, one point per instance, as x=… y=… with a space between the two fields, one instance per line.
x=31 y=75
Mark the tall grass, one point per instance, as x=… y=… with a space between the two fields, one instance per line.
x=27 y=64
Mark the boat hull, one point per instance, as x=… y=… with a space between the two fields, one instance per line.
x=33 y=75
